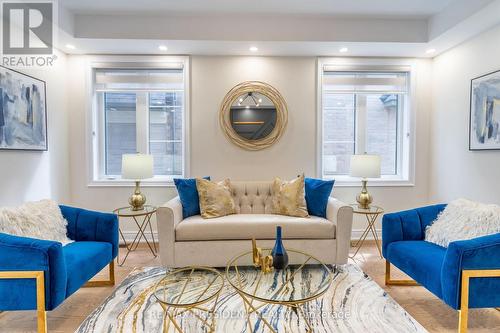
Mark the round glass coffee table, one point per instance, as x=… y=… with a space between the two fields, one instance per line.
x=189 y=290
x=305 y=280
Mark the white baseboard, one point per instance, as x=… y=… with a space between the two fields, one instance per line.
x=356 y=234
x=130 y=235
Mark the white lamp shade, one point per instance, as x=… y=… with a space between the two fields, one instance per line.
x=365 y=166
x=137 y=166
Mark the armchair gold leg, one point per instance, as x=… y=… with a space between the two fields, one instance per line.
x=40 y=293
x=40 y=303
x=389 y=282
x=104 y=283
x=464 y=294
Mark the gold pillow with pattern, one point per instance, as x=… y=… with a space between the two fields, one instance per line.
x=288 y=197
x=215 y=198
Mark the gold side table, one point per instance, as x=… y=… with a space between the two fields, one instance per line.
x=190 y=290
x=284 y=287
x=371 y=214
x=146 y=215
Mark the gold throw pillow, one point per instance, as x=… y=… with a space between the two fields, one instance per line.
x=215 y=198
x=288 y=197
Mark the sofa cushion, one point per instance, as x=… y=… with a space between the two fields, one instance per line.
x=289 y=197
x=463 y=219
x=215 y=198
x=188 y=195
x=317 y=193
x=83 y=261
x=39 y=219
x=247 y=226
x=421 y=260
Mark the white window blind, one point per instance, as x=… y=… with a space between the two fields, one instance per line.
x=139 y=80
x=366 y=82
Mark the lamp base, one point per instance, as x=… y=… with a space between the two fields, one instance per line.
x=137 y=200
x=364 y=198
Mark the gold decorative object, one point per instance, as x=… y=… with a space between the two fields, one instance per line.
x=137 y=200
x=364 y=198
x=265 y=263
x=175 y=304
x=253 y=87
x=257 y=253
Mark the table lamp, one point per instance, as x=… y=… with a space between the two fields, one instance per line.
x=137 y=167
x=365 y=166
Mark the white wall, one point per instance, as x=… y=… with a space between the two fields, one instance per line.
x=211 y=153
x=456 y=171
x=28 y=175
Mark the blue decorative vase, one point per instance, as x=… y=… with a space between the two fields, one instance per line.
x=280 y=257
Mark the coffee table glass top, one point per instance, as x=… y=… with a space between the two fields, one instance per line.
x=188 y=287
x=304 y=280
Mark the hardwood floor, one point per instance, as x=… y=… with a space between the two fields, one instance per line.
x=427 y=309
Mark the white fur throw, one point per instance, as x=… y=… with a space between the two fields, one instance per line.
x=40 y=219
x=463 y=219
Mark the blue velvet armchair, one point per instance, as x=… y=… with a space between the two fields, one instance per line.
x=39 y=274
x=464 y=275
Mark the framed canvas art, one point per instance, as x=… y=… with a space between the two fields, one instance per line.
x=484 y=121
x=23 y=111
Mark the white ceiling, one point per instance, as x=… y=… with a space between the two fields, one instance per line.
x=386 y=28
x=357 y=8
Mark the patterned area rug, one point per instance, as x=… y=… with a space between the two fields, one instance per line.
x=353 y=303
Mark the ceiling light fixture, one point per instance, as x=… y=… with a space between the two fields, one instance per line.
x=429 y=51
x=343 y=50
x=250 y=95
x=162 y=48
x=70 y=46
x=253 y=48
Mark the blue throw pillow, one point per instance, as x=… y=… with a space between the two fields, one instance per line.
x=317 y=194
x=189 y=196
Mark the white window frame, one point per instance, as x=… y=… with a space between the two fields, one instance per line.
x=406 y=144
x=94 y=125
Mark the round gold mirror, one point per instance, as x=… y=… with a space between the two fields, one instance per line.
x=253 y=115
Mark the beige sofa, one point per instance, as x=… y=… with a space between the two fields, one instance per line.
x=213 y=242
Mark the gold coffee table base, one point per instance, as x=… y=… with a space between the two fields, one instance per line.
x=177 y=306
x=250 y=308
x=251 y=296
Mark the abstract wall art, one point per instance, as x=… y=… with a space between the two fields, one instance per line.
x=484 y=126
x=23 y=111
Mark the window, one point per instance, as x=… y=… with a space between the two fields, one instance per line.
x=139 y=110
x=364 y=111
